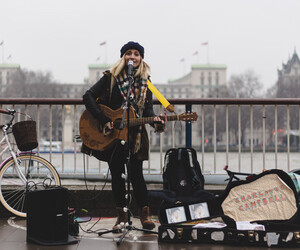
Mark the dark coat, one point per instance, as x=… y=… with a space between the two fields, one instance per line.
x=101 y=92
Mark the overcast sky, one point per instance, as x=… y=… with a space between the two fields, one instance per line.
x=63 y=36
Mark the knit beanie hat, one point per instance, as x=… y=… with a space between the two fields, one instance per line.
x=132 y=45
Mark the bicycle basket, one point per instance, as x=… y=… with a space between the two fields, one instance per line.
x=25 y=135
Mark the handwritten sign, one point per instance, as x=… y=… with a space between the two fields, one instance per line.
x=267 y=198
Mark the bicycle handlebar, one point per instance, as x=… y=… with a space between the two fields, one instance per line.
x=3 y=111
x=12 y=112
x=233 y=175
x=8 y=111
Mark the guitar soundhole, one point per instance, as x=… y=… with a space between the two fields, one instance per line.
x=117 y=123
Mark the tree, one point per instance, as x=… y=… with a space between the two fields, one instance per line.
x=245 y=85
x=31 y=84
x=37 y=84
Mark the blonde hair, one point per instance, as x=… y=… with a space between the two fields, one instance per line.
x=143 y=70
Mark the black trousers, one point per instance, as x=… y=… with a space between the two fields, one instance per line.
x=119 y=184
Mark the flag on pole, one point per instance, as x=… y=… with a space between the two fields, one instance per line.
x=205 y=43
x=195 y=53
x=103 y=43
x=181 y=60
x=1 y=43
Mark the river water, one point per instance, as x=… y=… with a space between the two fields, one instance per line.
x=74 y=163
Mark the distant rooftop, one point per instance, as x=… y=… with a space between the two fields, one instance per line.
x=100 y=66
x=209 y=66
x=201 y=66
x=286 y=68
x=177 y=79
x=9 y=66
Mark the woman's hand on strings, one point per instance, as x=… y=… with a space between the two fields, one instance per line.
x=159 y=124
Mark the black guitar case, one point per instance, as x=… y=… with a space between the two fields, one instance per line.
x=261 y=211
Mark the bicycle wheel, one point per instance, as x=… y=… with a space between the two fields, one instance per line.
x=39 y=174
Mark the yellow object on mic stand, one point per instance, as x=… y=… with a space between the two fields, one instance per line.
x=160 y=97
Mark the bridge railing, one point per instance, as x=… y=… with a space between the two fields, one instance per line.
x=248 y=135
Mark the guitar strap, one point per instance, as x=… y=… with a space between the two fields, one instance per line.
x=160 y=97
x=152 y=88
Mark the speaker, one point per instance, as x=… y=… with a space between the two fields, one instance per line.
x=47 y=217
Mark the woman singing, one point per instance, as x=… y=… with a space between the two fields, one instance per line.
x=111 y=90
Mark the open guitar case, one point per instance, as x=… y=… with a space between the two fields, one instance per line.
x=261 y=211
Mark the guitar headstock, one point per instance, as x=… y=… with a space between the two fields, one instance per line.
x=188 y=116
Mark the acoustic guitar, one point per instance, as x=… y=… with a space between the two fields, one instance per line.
x=92 y=137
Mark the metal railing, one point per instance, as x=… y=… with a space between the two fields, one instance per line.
x=217 y=118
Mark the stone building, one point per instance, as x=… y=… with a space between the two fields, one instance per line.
x=290 y=72
x=96 y=72
x=203 y=81
x=6 y=72
x=288 y=86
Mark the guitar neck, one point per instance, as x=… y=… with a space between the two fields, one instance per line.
x=148 y=120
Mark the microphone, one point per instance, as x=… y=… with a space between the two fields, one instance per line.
x=130 y=68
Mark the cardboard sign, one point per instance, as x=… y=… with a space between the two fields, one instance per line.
x=267 y=198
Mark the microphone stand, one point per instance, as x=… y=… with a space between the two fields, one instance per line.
x=128 y=228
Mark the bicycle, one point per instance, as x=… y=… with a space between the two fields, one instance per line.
x=22 y=171
x=232 y=176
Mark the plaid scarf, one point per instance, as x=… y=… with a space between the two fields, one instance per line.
x=137 y=98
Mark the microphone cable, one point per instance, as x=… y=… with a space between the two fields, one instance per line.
x=105 y=180
x=96 y=196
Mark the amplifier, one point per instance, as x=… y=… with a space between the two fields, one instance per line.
x=47 y=217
